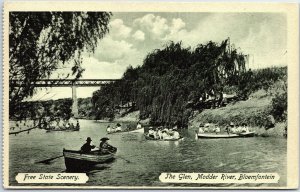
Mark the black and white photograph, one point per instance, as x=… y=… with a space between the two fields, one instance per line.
x=150 y=98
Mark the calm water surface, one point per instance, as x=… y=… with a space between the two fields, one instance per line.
x=149 y=158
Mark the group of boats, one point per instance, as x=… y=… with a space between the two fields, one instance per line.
x=76 y=160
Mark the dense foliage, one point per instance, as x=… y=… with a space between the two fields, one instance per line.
x=42 y=42
x=170 y=78
x=41 y=110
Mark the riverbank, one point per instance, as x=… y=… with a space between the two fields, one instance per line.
x=253 y=111
x=132 y=117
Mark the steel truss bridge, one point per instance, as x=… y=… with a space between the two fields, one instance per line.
x=73 y=83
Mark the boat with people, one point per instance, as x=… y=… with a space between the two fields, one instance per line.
x=167 y=139
x=231 y=131
x=85 y=158
x=224 y=136
x=119 y=129
x=66 y=126
x=163 y=134
x=76 y=160
x=76 y=128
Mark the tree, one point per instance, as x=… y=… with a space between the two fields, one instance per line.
x=42 y=42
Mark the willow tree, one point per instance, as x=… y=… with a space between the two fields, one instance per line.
x=171 y=77
x=42 y=42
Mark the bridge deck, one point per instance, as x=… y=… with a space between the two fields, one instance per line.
x=65 y=82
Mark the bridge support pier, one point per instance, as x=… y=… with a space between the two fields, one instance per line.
x=74 y=103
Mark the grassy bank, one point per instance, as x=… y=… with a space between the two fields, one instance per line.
x=131 y=117
x=253 y=111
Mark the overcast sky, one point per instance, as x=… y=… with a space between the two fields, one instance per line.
x=133 y=35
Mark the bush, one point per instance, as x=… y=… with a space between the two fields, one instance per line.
x=279 y=106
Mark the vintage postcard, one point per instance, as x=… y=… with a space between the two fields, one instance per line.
x=123 y=95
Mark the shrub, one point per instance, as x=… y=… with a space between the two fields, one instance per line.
x=279 y=106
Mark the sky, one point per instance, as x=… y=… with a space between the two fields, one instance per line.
x=133 y=35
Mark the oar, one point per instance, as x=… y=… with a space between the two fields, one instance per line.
x=124 y=159
x=47 y=161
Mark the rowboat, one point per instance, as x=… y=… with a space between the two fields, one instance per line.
x=50 y=130
x=225 y=136
x=141 y=130
x=76 y=160
x=153 y=139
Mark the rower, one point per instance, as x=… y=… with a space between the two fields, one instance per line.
x=87 y=147
x=106 y=148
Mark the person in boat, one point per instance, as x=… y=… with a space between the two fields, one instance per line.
x=151 y=132
x=77 y=125
x=156 y=136
x=159 y=133
x=238 y=129
x=245 y=128
x=165 y=135
x=232 y=128
x=108 y=129
x=87 y=147
x=119 y=127
x=217 y=129
x=175 y=134
x=106 y=148
x=170 y=131
x=72 y=126
x=67 y=126
x=206 y=127
x=139 y=125
x=201 y=128
x=227 y=129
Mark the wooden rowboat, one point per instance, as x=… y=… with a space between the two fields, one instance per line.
x=76 y=160
x=63 y=129
x=153 y=139
x=224 y=136
x=141 y=130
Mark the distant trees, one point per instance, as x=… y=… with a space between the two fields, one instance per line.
x=39 y=110
x=169 y=78
x=42 y=42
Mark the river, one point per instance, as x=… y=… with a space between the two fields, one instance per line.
x=149 y=158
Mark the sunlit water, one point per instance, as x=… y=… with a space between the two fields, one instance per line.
x=149 y=158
